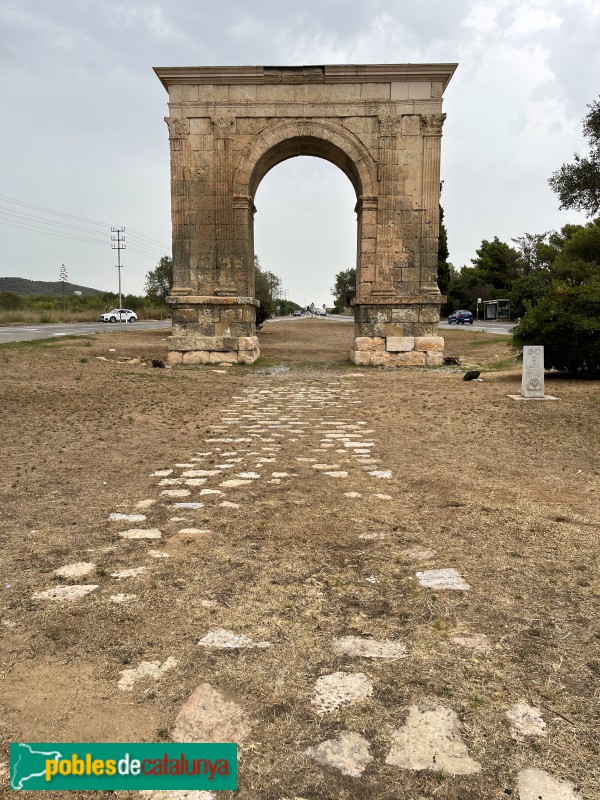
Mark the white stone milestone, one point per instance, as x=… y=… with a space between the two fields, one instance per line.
x=532 y=383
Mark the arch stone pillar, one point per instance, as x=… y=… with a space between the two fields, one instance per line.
x=380 y=124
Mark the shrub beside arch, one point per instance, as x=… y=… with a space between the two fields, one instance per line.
x=567 y=324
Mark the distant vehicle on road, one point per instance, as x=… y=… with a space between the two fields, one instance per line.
x=460 y=317
x=320 y=312
x=297 y=313
x=119 y=315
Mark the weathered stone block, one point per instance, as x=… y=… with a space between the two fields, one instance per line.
x=196 y=357
x=174 y=357
x=226 y=357
x=411 y=125
x=361 y=357
x=369 y=343
x=406 y=314
x=434 y=358
x=393 y=329
x=248 y=356
x=375 y=91
x=399 y=344
x=183 y=315
x=429 y=343
x=248 y=343
x=429 y=314
x=412 y=359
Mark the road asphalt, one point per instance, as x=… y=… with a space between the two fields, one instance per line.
x=21 y=333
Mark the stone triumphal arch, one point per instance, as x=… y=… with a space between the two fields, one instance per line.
x=380 y=124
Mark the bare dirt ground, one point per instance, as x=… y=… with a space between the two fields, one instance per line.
x=505 y=493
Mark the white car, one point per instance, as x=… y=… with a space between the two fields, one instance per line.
x=119 y=315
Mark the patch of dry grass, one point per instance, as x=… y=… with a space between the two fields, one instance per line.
x=505 y=493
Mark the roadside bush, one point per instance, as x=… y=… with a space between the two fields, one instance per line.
x=567 y=323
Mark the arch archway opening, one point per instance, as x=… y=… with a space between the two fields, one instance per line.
x=305 y=228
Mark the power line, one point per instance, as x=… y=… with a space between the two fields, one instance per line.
x=152 y=242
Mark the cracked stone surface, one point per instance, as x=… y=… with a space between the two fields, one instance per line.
x=145 y=503
x=442 y=579
x=349 y=753
x=526 y=721
x=77 y=570
x=188 y=505
x=369 y=648
x=146 y=669
x=122 y=598
x=341 y=688
x=140 y=533
x=116 y=517
x=228 y=640
x=478 y=642
x=73 y=592
x=199 y=531
x=208 y=717
x=535 y=784
x=431 y=739
x=133 y=572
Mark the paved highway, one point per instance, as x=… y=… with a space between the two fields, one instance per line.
x=23 y=333
x=487 y=326
x=484 y=326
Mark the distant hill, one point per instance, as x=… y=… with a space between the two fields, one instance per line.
x=24 y=287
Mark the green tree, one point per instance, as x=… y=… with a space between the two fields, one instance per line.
x=266 y=288
x=567 y=323
x=443 y=267
x=497 y=264
x=529 y=290
x=531 y=251
x=344 y=290
x=159 y=281
x=577 y=258
x=578 y=185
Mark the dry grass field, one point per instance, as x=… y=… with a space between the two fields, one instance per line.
x=309 y=548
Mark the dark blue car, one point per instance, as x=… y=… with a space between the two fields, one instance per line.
x=460 y=317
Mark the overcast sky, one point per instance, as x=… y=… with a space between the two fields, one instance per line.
x=82 y=126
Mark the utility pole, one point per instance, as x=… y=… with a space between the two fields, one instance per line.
x=64 y=277
x=118 y=247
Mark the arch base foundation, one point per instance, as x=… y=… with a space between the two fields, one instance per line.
x=212 y=330
x=398 y=333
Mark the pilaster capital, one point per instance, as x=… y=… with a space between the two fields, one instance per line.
x=178 y=128
x=224 y=126
x=431 y=124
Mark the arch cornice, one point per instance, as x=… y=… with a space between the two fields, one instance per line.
x=294 y=137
